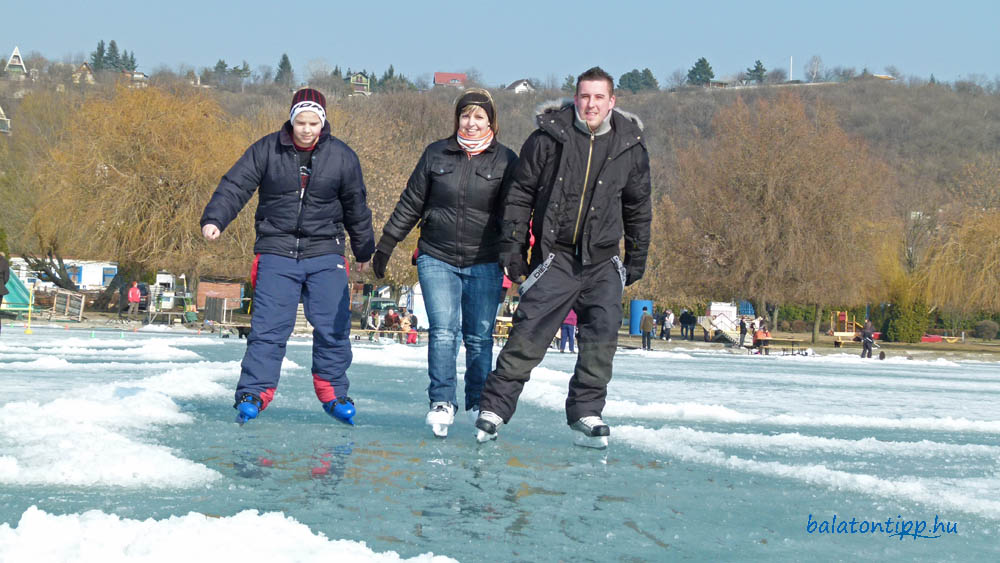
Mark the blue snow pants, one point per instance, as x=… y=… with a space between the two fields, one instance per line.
x=321 y=284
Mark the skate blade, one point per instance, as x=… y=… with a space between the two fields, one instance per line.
x=440 y=430
x=595 y=442
x=483 y=436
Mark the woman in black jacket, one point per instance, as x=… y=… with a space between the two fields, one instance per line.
x=455 y=194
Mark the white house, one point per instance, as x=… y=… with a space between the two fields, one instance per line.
x=86 y=274
x=522 y=86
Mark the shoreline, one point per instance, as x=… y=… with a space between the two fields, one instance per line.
x=971 y=349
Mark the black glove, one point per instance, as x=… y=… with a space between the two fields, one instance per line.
x=381 y=258
x=633 y=274
x=514 y=264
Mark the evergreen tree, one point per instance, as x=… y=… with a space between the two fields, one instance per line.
x=97 y=57
x=757 y=73
x=569 y=85
x=630 y=81
x=648 y=81
x=636 y=81
x=285 y=75
x=220 y=71
x=701 y=73
x=112 y=59
x=336 y=72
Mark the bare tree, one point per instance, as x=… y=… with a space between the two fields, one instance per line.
x=963 y=269
x=776 y=76
x=677 y=79
x=129 y=179
x=814 y=69
x=766 y=195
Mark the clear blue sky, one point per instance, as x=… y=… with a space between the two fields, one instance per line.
x=511 y=39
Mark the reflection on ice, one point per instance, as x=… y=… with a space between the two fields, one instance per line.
x=139 y=427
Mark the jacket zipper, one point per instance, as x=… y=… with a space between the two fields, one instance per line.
x=302 y=193
x=583 y=192
x=463 y=186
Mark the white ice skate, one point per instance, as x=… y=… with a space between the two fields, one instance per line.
x=486 y=426
x=591 y=432
x=440 y=417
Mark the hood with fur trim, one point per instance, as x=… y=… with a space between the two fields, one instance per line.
x=561 y=103
x=556 y=117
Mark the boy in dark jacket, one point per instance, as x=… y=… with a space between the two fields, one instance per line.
x=4 y=276
x=311 y=192
x=581 y=182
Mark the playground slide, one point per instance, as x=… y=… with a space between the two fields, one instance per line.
x=18 y=296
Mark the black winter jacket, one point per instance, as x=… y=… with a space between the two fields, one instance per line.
x=289 y=223
x=458 y=201
x=545 y=172
x=4 y=275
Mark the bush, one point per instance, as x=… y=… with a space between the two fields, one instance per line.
x=906 y=323
x=987 y=330
x=801 y=326
x=784 y=326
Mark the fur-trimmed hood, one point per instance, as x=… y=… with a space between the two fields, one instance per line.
x=556 y=118
x=561 y=103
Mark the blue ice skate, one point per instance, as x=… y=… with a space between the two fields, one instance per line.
x=247 y=408
x=342 y=409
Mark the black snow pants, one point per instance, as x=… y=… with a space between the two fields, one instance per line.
x=595 y=292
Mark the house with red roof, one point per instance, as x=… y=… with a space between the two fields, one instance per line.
x=456 y=79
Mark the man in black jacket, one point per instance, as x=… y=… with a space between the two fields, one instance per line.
x=582 y=181
x=311 y=191
x=4 y=277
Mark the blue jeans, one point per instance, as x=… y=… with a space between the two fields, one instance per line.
x=461 y=303
x=568 y=332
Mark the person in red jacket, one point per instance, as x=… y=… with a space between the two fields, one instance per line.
x=134 y=296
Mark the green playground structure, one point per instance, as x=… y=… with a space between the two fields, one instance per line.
x=18 y=298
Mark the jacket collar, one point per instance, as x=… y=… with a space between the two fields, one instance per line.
x=285 y=134
x=557 y=118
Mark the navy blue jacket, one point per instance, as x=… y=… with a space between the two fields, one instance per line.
x=288 y=223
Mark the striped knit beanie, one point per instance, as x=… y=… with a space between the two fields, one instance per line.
x=308 y=99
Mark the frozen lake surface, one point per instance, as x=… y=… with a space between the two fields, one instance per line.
x=121 y=446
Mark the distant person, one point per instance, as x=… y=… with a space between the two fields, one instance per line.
x=391 y=323
x=668 y=323
x=312 y=199
x=455 y=195
x=4 y=278
x=761 y=335
x=692 y=320
x=404 y=327
x=568 y=332
x=646 y=326
x=411 y=336
x=372 y=325
x=581 y=184
x=134 y=297
x=683 y=320
x=743 y=330
x=867 y=339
